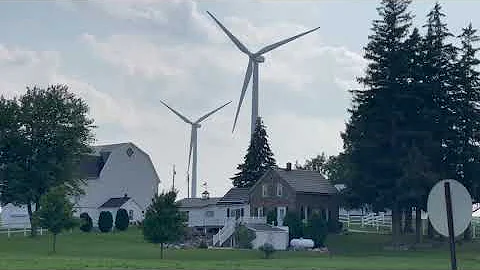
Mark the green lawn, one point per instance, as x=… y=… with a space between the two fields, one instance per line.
x=128 y=250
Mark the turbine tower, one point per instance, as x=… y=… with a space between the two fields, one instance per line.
x=193 y=143
x=252 y=68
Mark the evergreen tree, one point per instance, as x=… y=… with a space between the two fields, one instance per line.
x=257 y=161
x=438 y=75
x=121 y=220
x=466 y=151
x=374 y=136
x=163 y=221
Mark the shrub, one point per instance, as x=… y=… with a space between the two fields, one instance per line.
x=105 y=221
x=295 y=225
x=203 y=244
x=267 y=250
x=272 y=217
x=243 y=237
x=86 y=223
x=334 y=226
x=121 y=220
x=317 y=230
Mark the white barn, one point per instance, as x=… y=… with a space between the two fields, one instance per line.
x=113 y=172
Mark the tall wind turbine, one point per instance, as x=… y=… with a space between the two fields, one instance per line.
x=252 y=68
x=193 y=143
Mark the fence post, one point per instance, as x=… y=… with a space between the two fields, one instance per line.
x=8 y=232
x=24 y=231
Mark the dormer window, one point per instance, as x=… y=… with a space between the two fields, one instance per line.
x=279 y=190
x=264 y=190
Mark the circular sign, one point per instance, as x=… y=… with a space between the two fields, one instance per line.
x=461 y=207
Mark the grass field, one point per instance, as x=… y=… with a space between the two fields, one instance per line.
x=128 y=250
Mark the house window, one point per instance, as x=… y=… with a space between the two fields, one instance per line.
x=264 y=190
x=130 y=214
x=260 y=211
x=279 y=190
x=242 y=212
x=228 y=212
x=209 y=214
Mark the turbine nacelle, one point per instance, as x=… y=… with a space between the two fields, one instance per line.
x=258 y=58
x=196 y=125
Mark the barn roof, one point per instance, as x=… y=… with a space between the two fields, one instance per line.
x=115 y=202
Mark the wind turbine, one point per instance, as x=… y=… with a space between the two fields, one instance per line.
x=193 y=143
x=252 y=68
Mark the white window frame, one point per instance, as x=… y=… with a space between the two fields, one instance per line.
x=260 y=211
x=264 y=190
x=279 y=190
x=130 y=214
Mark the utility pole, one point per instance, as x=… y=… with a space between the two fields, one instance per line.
x=173 y=178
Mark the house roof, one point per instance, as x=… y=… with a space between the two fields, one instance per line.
x=236 y=195
x=306 y=181
x=197 y=202
x=115 y=202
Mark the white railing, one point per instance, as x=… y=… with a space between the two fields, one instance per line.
x=224 y=233
x=372 y=220
x=12 y=228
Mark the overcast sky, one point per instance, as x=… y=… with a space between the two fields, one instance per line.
x=123 y=56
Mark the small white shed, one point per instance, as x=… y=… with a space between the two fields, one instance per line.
x=14 y=217
x=135 y=212
x=277 y=236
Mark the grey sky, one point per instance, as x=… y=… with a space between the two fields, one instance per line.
x=123 y=56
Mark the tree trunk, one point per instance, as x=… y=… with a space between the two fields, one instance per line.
x=396 y=226
x=418 y=225
x=33 y=231
x=161 y=250
x=54 y=243
x=407 y=229
x=467 y=235
x=430 y=230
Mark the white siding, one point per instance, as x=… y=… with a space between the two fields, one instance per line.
x=14 y=216
x=197 y=217
x=278 y=239
x=121 y=174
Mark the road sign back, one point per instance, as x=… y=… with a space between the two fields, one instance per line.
x=461 y=207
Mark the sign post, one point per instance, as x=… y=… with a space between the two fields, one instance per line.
x=449 y=209
x=451 y=234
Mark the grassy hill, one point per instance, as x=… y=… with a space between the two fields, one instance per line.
x=128 y=250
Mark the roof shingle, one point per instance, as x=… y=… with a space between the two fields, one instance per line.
x=306 y=181
x=236 y=195
x=115 y=202
x=197 y=202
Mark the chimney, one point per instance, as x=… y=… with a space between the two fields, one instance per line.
x=289 y=166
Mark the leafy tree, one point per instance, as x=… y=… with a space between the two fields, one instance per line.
x=86 y=223
x=243 y=237
x=257 y=161
x=317 y=230
x=294 y=223
x=105 y=221
x=374 y=135
x=121 y=220
x=163 y=222
x=55 y=213
x=50 y=134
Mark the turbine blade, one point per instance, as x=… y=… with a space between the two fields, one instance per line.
x=235 y=40
x=282 y=42
x=190 y=151
x=248 y=75
x=210 y=113
x=177 y=113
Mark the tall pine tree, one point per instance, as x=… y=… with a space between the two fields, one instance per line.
x=466 y=150
x=373 y=137
x=257 y=161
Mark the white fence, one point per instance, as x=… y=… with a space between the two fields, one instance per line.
x=12 y=228
x=381 y=222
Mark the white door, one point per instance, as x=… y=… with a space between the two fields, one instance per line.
x=281 y=211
